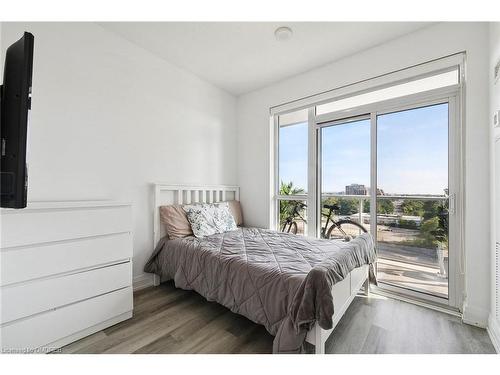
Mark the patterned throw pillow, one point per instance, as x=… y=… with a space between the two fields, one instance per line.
x=209 y=218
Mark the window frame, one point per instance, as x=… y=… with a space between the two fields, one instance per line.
x=454 y=95
x=276 y=189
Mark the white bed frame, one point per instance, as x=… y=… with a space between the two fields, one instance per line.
x=343 y=292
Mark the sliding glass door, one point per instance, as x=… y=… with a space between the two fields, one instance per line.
x=405 y=155
x=412 y=200
x=387 y=162
x=345 y=175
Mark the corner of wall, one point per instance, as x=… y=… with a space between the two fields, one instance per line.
x=142 y=281
x=494 y=94
x=494 y=332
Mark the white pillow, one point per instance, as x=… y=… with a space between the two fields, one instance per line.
x=209 y=218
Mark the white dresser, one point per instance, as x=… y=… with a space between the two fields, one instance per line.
x=66 y=272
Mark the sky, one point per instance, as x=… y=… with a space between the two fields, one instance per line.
x=412 y=153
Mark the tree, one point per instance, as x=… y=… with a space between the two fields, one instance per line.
x=413 y=207
x=441 y=232
x=289 y=189
x=346 y=206
x=427 y=229
x=366 y=205
x=286 y=207
x=431 y=209
x=384 y=206
x=434 y=229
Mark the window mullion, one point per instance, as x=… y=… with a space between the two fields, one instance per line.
x=373 y=175
x=312 y=175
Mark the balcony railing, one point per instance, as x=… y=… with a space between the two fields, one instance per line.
x=363 y=198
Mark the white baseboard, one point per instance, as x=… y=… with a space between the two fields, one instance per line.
x=143 y=281
x=475 y=316
x=494 y=332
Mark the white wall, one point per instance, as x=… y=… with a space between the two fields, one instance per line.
x=109 y=118
x=494 y=59
x=430 y=43
x=494 y=322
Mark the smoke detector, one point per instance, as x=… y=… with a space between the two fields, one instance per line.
x=283 y=33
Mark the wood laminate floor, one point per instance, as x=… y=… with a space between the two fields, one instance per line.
x=170 y=320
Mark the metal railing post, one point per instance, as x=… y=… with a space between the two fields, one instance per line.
x=361 y=200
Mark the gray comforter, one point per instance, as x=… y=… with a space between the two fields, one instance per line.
x=282 y=281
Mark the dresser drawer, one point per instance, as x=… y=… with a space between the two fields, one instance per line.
x=36 y=261
x=22 y=300
x=55 y=325
x=35 y=226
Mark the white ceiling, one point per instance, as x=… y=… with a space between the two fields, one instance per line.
x=241 y=56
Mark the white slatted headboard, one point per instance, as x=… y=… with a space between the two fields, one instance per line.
x=165 y=194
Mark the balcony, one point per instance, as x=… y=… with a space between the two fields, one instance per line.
x=411 y=237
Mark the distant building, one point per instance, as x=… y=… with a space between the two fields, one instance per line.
x=356 y=189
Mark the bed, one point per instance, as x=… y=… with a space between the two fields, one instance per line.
x=297 y=287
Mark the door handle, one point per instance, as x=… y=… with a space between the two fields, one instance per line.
x=452 y=204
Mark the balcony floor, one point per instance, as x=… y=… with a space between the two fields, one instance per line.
x=411 y=268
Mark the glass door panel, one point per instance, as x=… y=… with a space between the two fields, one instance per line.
x=345 y=177
x=412 y=200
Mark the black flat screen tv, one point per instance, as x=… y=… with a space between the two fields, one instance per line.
x=15 y=105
